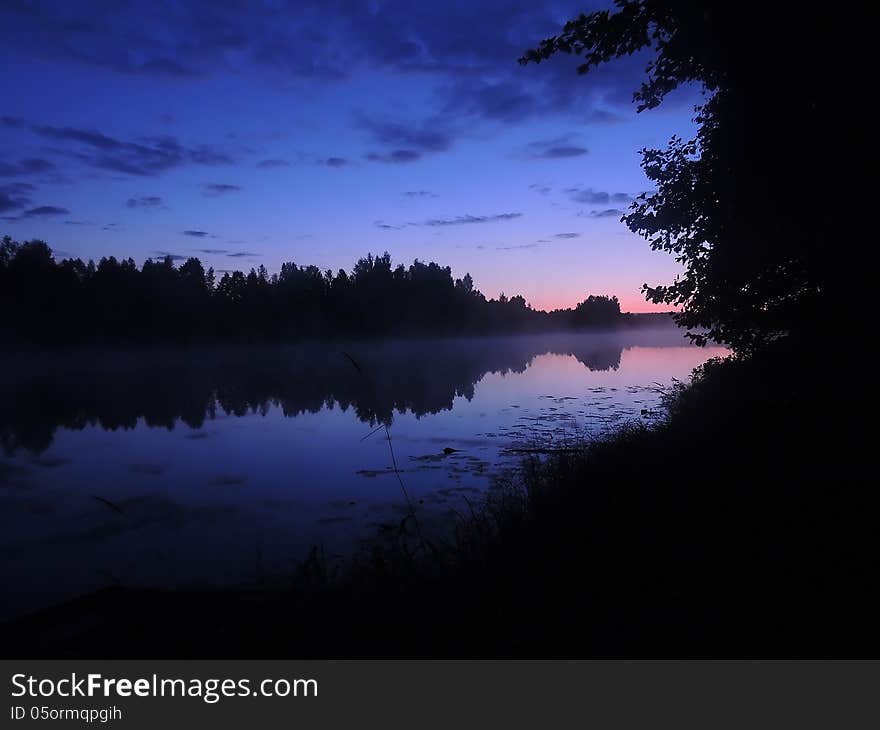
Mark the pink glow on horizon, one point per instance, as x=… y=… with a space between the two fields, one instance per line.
x=634 y=303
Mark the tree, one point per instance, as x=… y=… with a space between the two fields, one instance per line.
x=74 y=302
x=744 y=207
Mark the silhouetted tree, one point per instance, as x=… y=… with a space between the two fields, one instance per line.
x=745 y=206
x=73 y=301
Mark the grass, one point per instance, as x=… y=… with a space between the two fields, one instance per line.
x=742 y=524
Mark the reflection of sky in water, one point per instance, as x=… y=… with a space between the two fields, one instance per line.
x=242 y=498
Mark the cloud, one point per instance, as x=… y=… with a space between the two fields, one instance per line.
x=44 y=210
x=15 y=196
x=215 y=189
x=426 y=136
x=597 y=197
x=516 y=248
x=145 y=201
x=269 y=164
x=566 y=235
x=242 y=255
x=395 y=156
x=589 y=196
x=463 y=53
x=466 y=219
x=387 y=226
x=559 y=148
x=562 y=152
x=142 y=156
x=212 y=251
x=541 y=189
x=607 y=213
x=29 y=166
x=406 y=140
x=168 y=255
x=504 y=101
x=419 y=194
x=196 y=234
x=461 y=57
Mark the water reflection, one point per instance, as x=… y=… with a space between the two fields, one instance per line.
x=218 y=467
x=115 y=389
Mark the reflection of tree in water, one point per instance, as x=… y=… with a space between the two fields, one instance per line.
x=419 y=376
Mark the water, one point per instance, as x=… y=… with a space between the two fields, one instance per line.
x=222 y=467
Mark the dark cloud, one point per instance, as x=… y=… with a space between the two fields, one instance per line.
x=208 y=155
x=566 y=235
x=603 y=116
x=562 y=151
x=408 y=140
x=597 y=197
x=242 y=255
x=29 y=166
x=395 y=156
x=506 y=101
x=15 y=196
x=196 y=234
x=305 y=39
x=542 y=189
x=555 y=149
x=607 y=213
x=463 y=54
x=143 y=156
x=425 y=136
x=212 y=251
x=86 y=137
x=269 y=164
x=419 y=194
x=44 y=210
x=145 y=201
x=387 y=226
x=466 y=51
x=214 y=189
x=168 y=255
x=466 y=219
x=589 y=196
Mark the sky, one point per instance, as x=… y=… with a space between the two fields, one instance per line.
x=252 y=133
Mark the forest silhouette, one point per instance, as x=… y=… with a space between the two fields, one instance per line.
x=114 y=301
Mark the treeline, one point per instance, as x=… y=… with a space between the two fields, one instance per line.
x=115 y=301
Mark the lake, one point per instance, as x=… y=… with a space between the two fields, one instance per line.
x=222 y=467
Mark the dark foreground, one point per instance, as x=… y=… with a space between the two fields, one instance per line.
x=745 y=526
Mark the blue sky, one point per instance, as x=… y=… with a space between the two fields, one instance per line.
x=249 y=133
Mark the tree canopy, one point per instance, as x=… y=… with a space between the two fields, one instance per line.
x=72 y=301
x=747 y=206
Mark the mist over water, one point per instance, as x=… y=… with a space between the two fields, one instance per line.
x=222 y=467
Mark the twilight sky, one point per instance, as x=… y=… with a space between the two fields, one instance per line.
x=250 y=132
